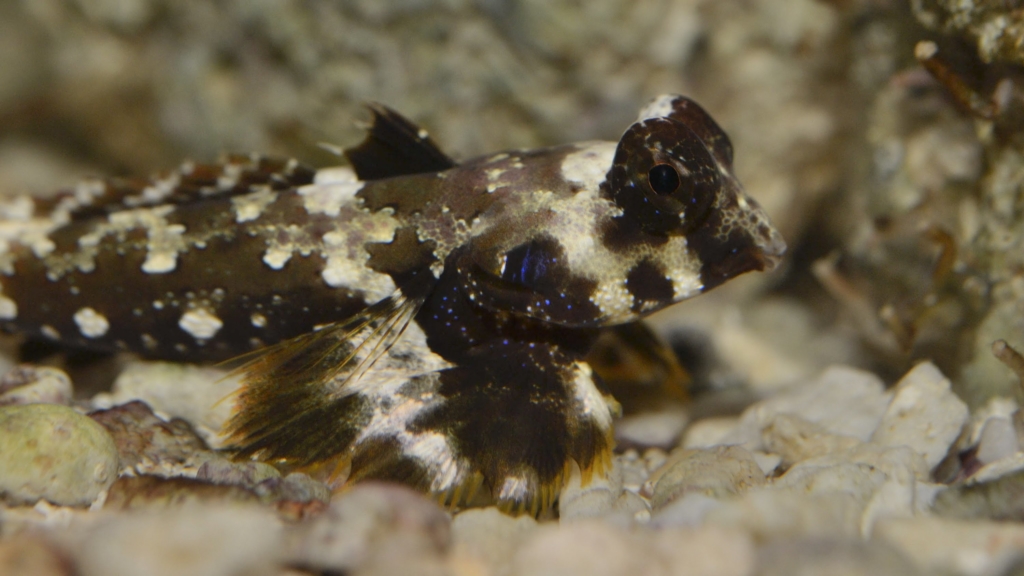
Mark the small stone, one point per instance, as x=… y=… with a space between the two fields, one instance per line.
x=1000 y=497
x=296 y=496
x=25 y=555
x=1007 y=466
x=706 y=551
x=685 y=512
x=487 y=538
x=246 y=473
x=198 y=394
x=212 y=539
x=795 y=439
x=373 y=528
x=767 y=462
x=811 y=556
x=52 y=452
x=945 y=546
x=709 y=432
x=924 y=414
x=844 y=401
x=154 y=492
x=885 y=480
x=658 y=429
x=634 y=469
x=599 y=549
x=603 y=496
x=989 y=445
x=773 y=513
x=716 y=472
x=586 y=547
x=895 y=462
x=653 y=459
x=299 y=487
x=28 y=384
x=149 y=445
x=998 y=440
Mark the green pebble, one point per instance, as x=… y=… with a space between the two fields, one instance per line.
x=53 y=453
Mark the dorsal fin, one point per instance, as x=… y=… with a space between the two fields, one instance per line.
x=394 y=146
x=233 y=175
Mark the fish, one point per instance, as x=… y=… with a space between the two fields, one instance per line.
x=405 y=317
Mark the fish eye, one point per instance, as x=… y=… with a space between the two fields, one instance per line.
x=663 y=179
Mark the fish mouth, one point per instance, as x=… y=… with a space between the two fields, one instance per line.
x=773 y=248
x=738 y=253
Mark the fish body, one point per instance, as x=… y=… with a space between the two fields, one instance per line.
x=407 y=318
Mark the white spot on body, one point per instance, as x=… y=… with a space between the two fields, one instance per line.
x=229 y=176
x=409 y=358
x=392 y=420
x=514 y=489
x=614 y=300
x=258 y=320
x=660 y=107
x=334 y=175
x=276 y=257
x=589 y=165
x=433 y=451
x=86 y=192
x=682 y=268
x=42 y=247
x=8 y=307
x=331 y=189
x=164 y=240
x=200 y=323
x=19 y=208
x=157 y=191
x=283 y=242
x=19 y=223
x=160 y=263
x=589 y=400
x=249 y=207
x=91 y=323
x=346 y=257
x=50 y=332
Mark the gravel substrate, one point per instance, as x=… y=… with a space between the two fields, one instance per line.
x=850 y=415
x=833 y=472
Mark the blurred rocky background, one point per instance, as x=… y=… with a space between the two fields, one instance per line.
x=118 y=87
x=884 y=137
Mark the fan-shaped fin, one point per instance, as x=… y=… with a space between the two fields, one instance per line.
x=395 y=146
x=300 y=403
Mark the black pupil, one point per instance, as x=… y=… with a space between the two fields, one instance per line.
x=663 y=178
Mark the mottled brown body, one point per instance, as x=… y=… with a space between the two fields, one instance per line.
x=427 y=322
